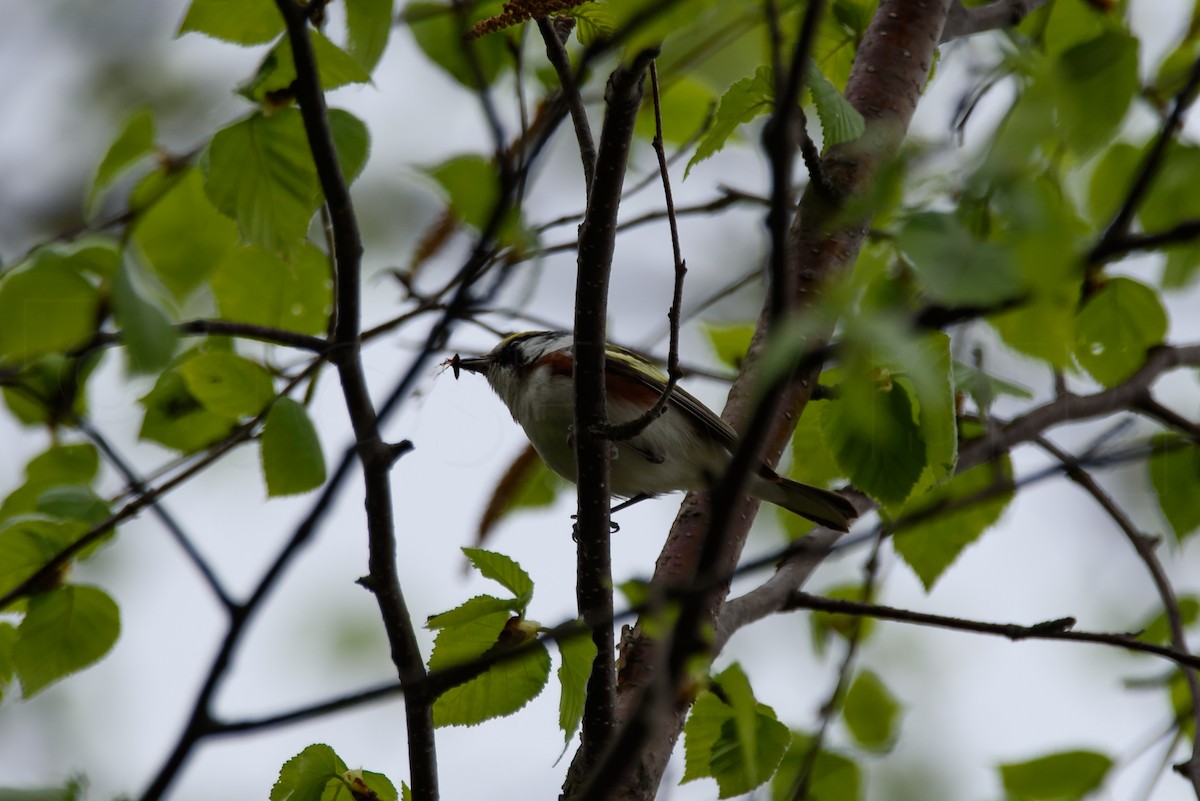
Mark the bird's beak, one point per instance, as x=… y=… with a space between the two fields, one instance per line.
x=478 y=365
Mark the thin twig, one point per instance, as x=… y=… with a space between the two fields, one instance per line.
x=557 y=53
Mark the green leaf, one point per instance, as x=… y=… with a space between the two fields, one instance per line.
x=577 y=654
x=505 y=571
x=826 y=624
x=984 y=388
x=501 y=690
x=305 y=776
x=1110 y=181
x=594 y=22
x=1096 y=81
x=45 y=307
x=833 y=777
x=685 y=104
x=73 y=790
x=352 y=142
x=439 y=32
x=467 y=632
x=376 y=786
x=149 y=335
x=135 y=140
x=1059 y=777
x=291 y=451
x=73 y=502
x=739 y=742
x=840 y=121
x=182 y=237
x=471 y=610
x=277 y=72
x=838 y=37
x=871 y=712
x=812 y=463
x=227 y=384
x=175 y=418
x=471 y=185
x=259 y=172
x=1115 y=329
x=931 y=544
x=28 y=543
x=1158 y=628
x=41 y=393
x=730 y=341
x=874 y=437
x=8 y=638
x=369 y=24
x=932 y=385
x=243 y=22
x=1175 y=475
x=292 y=294
x=66 y=464
x=64 y=630
x=955 y=268
x=741 y=103
x=527 y=484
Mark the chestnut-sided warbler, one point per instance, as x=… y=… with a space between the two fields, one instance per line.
x=687 y=448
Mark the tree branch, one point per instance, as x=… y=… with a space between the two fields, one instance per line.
x=557 y=53
x=964 y=21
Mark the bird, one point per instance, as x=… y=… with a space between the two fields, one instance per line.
x=687 y=448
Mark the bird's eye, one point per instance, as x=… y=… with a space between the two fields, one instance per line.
x=507 y=357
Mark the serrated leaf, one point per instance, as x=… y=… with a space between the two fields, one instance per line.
x=1174 y=468
x=439 y=31
x=876 y=440
x=368 y=25
x=871 y=712
x=148 y=333
x=466 y=633
x=45 y=307
x=742 y=102
x=133 y=141
x=257 y=287
x=277 y=72
x=175 y=418
x=932 y=544
x=471 y=610
x=1058 y=777
x=243 y=22
x=291 y=450
x=594 y=22
x=228 y=384
x=182 y=237
x=64 y=630
x=501 y=690
x=577 y=655
x=840 y=121
x=305 y=776
x=505 y=571
x=259 y=172
x=739 y=743
x=1116 y=328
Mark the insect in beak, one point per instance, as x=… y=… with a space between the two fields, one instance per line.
x=479 y=365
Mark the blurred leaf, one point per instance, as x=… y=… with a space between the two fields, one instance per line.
x=685 y=103
x=228 y=384
x=1158 y=628
x=277 y=72
x=292 y=294
x=730 y=341
x=1116 y=328
x=872 y=433
x=871 y=712
x=259 y=172
x=527 y=484
x=1058 y=777
x=471 y=185
x=840 y=121
x=65 y=464
x=503 y=570
x=73 y=502
x=369 y=24
x=1110 y=181
x=148 y=333
x=8 y=638
x=135 y=140
x=28 y=543
x=742 y=102
x=439 y=31
x=1175 y=475
x=64 y=630
x=501 y=690
x=305 y=776
x=1096 y=81
x=1182 y=267
x=955 y=268
x=1073 y=22
x=825 y=624
x=812 y=463
x=45 y=307
x=291 y=451
x=243 y=22
x=48 y=389
x=932 y=544
x=984 y=388
x=73 y=790
x=1172 y=198
x=577 y=655
x=182 y=237
x=175 y=418
x=838 y=36
x=738 y=741
x=834 y=777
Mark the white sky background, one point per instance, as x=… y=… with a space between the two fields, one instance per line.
x=73 y=69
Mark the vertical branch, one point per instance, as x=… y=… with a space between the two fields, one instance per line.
x=376 y=456
x=597 y=239
x=557 y=53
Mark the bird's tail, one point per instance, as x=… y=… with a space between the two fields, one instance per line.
x=818 y=505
